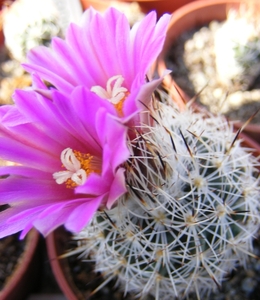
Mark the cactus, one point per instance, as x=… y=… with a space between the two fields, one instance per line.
x=191 y=211
x=30 y=29
x=237 y=46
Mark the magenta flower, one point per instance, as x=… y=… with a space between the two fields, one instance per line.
x=105 y=56
x=68 y=151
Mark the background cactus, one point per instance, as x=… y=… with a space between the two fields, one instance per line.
x=28 y=23
x=237 y=46
x=191 y=211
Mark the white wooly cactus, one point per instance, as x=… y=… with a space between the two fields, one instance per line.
x=30 y=23
x=237 y=47
x=191 y=211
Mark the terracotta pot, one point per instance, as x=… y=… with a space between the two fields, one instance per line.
x=97 y=4
x=161 y=6
x=56 y=245
x=252 y=131
x=251 y=143
x=26 y=272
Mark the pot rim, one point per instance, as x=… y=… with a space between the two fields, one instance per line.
x=23 y=268
x=53 y=250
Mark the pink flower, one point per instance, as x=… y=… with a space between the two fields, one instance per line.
x=68 y=151
x=106 y=56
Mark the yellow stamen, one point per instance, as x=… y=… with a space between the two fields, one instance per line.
x=116 y=93
x=89 y=163
x=119 y=106
x=78 y=167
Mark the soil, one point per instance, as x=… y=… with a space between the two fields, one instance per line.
x=11 y=249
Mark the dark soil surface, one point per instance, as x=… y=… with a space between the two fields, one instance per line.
x=11 y=248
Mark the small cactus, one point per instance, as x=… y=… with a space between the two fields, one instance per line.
x=191 y=211
x=28 y=23
x=237 y=46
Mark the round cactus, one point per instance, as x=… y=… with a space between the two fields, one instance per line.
x=191 y=211
x=237 y=46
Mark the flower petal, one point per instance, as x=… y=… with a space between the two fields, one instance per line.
x=80 y=60
x=82 y=214
x=117 y=188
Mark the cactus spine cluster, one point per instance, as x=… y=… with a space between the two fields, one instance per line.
x=191 y=211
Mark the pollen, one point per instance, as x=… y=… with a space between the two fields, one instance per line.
x=119 y=106
x=88 y=162
x=114 y=92
x=78 y=167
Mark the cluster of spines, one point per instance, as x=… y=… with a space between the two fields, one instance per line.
x=191 y=211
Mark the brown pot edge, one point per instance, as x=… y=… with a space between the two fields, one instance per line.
x=54 y=252
x=20 y=283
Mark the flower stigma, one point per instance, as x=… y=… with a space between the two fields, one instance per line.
x=79 y=166
x=115 y=94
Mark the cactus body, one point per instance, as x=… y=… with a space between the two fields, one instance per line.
x=191 y=211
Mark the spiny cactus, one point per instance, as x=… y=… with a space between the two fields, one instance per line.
x=36 y=23
x=191 y=211
x=237 y=46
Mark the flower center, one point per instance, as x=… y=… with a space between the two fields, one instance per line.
x=116 y=93
x=78 y=166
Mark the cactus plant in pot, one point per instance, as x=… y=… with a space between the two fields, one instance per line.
x=162 y=199
x=109 y=240
x=201 y=46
